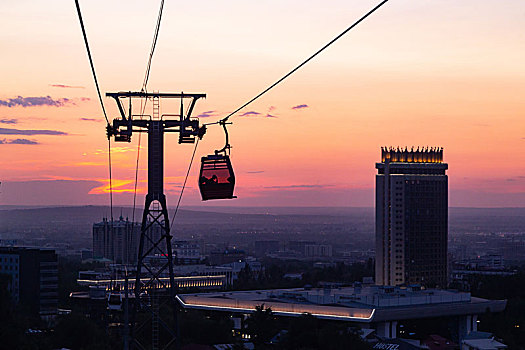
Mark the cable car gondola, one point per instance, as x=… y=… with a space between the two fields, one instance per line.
x=115 y=301
x=216 y=178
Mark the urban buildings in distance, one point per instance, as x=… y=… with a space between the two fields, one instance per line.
x=411 y=217
x=118 y=240
x=33 y=279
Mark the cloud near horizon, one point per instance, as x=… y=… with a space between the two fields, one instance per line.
x=516 y=178
x=96 y=120
x=208 y=114
x=300 y=106
x=6 y=131
x=115 y=150
x=8 y=121
x=66 y=86
x=250 y=113
x=257 y=114
x=296 y=186
x=37 y=101
x=117 y=186
x=19 y=142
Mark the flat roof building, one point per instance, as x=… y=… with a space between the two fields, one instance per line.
x=377 y=307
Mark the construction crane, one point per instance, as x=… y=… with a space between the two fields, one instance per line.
x=155 y=254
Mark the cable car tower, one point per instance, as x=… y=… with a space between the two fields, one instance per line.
x=155 y=258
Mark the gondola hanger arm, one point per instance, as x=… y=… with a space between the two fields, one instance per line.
x=227 y=146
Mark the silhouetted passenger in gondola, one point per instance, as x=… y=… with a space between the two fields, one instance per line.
x=213 y=181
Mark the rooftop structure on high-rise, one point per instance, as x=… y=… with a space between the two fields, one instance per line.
x=411 y=217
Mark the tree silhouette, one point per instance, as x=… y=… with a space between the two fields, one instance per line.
x=261 y=325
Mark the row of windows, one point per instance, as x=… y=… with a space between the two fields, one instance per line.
x=11 y=259
x=14 y=275
x=9 y=268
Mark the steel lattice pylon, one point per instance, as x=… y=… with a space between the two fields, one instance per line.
x=155 y=257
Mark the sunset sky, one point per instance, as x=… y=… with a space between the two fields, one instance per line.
x=442 y=73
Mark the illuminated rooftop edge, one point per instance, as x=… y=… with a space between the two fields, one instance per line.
x=423 y=155
x=278 y=308
x=121 y=280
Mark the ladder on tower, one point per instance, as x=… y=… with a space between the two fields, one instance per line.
x=156 y=107
x=155 y=320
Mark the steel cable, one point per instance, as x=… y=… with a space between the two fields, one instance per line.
x=184 y=185
x=101 y=103
x=304 y=62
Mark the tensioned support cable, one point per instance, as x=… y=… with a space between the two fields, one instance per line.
x=304 y=62
x=153 y=45
x=110 y=182
x=91 y=60
x=184 y=184
x=101 y=104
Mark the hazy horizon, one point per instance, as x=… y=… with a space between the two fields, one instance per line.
x=223 y=207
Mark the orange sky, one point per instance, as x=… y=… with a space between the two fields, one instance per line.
x=438 y=73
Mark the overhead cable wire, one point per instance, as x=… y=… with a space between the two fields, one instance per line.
x=144 y=88
x=304 y=62
x=153 y=45
x=184 y=185
x=110 y=182
x=185 y=180
x=101 y=103
x=91 y=60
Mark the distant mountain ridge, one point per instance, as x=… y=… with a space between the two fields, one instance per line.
x=476 y=219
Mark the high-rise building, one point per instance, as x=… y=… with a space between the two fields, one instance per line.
x=186 y=253
x=33 y=278
x=411 y=217
x=119 y=240
x=116 y=240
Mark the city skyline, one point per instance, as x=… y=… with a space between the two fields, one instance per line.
x=438 y=73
